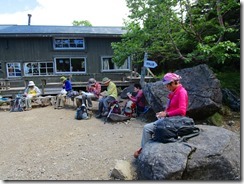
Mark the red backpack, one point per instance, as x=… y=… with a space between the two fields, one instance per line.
x=130 y=109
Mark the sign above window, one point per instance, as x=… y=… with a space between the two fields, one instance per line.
x=68 y=43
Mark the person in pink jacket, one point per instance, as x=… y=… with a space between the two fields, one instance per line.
x=176 y=106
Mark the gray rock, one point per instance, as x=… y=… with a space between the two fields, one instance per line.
x=205 y=96
x=213 y=155
x=122 y=171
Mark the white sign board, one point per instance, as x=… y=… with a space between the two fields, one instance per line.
x=150 y=64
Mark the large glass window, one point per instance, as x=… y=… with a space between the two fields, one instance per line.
x=68 y=43
x=38 y=68
x=70 y=65
x=13 y=69
x=109 y=65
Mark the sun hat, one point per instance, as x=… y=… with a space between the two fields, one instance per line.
x=63 y=78
x=31 y=83
x=91 y=81
x=105 y=80
x=170 y=77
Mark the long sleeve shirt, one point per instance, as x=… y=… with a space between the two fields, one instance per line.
x=139 y=99
x=35 y=91
x=112 y=90
x=178 y=102
x=96 y=90
x=67 y=85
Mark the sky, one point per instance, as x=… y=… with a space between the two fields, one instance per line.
x=63 y=12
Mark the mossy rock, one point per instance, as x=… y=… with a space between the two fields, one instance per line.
x=216 y=119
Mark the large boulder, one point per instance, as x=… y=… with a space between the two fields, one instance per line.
x=205 y=96
x=213 y=155
x=231 y=100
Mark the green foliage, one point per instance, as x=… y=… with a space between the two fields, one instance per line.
x=230 y=80
x=182 y=31
x=81 y=23
x=216 y=119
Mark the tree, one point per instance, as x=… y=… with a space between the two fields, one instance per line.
x=182 y=31
x=81 y=23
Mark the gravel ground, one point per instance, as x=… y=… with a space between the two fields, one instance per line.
x=49 y=144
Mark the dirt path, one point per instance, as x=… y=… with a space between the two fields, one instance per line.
x=48 y=144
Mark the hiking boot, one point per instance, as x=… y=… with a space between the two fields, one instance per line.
x=105 y=113
x=99 y=116
x=137 y=153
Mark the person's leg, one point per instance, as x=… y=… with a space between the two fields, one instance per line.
x=148 y=131
x=89 y=100
x=100 y=108
x=139 y=110
x=62 y=100
x=106 y=103
x=28 y=102
x=58 y=98
x=84 y=98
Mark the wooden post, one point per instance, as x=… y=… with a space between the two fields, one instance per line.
x=143 y=72
x=43 y=85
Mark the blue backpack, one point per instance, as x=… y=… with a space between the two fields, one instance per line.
x=81 y=113
x=17 y=105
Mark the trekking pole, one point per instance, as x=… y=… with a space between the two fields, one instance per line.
x=111 y=109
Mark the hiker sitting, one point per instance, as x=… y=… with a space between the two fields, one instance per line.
x=108 y=96
x=31 y=92
x=138 y=99
x=93 y=90
x=177 y=106
x=61 y=98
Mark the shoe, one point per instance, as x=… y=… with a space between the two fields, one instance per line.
x=105 y=113
x=137 y=153
x=99 y=116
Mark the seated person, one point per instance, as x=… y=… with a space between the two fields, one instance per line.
x=93 y=91
x=176 y=106
x=138 y=99
x=108 y=96
x=31 y=92
x=67 y=88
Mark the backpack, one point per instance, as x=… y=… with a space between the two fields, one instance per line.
x=115 y=107
x=17 y=105
x=172 y=129
x=130 y=108
x=81 y=113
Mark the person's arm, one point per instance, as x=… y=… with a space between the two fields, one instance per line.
x=111 y=89
x=136 y=98
x=182 y=104
x=38 y=91
x=97 y=89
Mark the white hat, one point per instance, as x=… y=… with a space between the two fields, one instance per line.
x=31 y=83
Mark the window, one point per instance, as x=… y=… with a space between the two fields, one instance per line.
x=13 y=69
x=70 y=65
x=38 y=68
x=109 y=65
x=67 y=43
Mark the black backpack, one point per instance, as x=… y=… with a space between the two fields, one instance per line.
x=17 y=105
x=172 y=129
x=81 y=113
